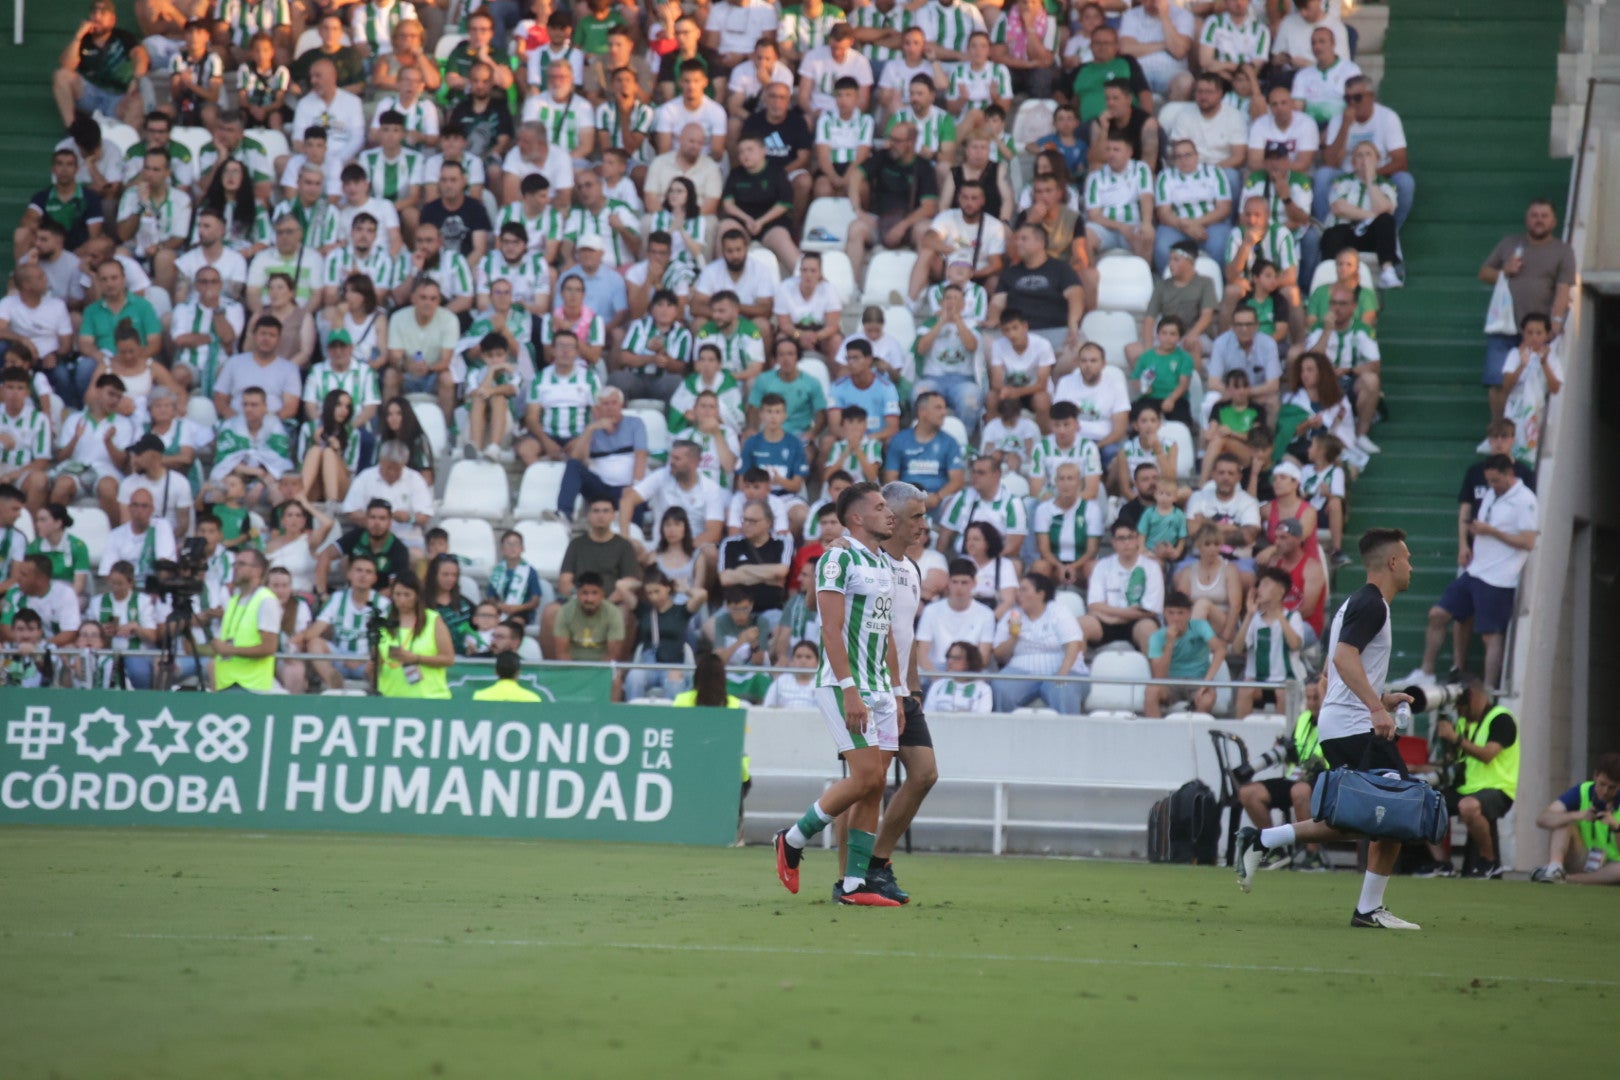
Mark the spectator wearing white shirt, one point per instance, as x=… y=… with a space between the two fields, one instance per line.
x=824 y=65
x=1100 y=393
x=401 y=487
x=1365 y=121
x=1125 y=596
x=1356 y=359
x=1287 y=127
x=958 y=690
x=1319 y=88
x=967 y=230
x=141 y=540
x=1119 y=203
x=678 y=484
x=168 y=491
x=91 y=448
x=1159 y=34
x=1482 y=596
x=1219 y=131
x=809 y=309
x=954 y=618
x=693 y=106
x=1224 y=504
x=1291 y=45
x=334 y=109
x=733 y=28
x=1039 y=637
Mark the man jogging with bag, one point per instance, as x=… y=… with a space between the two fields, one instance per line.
x=1354 y=724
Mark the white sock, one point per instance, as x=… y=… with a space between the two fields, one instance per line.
x=1277 y=836
x=853 y=883
x=826 y=818
x=1372 y=892
x=795 y=838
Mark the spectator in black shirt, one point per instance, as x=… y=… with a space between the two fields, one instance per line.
x=486 y=121
x=661 y=637
x=100 y=68
x=781 y=126
x=757 y=197
x=463 y=223
x=377 y=542
x=689 y=46
x=74 y=206
x=1147 y=489
x=899 y=193
x=758 y=561
x=351 y=67
x=1046 y=290
x=1499 y=435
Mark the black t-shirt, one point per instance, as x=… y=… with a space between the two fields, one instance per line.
x=390 y=560
x=74 y=215
x=350 y=68
x=756 y=193
x=457 y=226
x=1131 y=513
x=1038 y=292
x=483 y=128
x=736 y=551
x=1131 y=129
x=669 y=70
x=111 y=64
x=899 y=188
x=670 y=627
x=987 y=181
x=1503 y=731
x=782 y=141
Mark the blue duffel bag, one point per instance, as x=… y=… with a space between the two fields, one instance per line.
x=1380 y=806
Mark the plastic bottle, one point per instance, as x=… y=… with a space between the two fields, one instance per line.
x=1403 y=717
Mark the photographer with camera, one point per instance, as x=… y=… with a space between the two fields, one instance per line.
x=412 y=649
x=1302 y=750
x=1485 y=740
x=1585 y=832
x=249 y=630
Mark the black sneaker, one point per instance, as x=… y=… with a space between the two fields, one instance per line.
x=880 y=879
x=863 y=895
x=1434 y=869
x=1485 y=871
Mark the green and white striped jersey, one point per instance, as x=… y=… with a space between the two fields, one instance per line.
x=234 y=444
x=643 y=338
x=1246 y=42
x=982 y=84
x=320 y=222
x=933 y=131
x=166 y=219
x=708 y=459
x=518 y=324
x=1047 y=455
x=866 y=16
x=209 y=71
x=1005 y=512
x=1068 y=529
x=182 y=166
x=1118 y=194
x=1258 y=185
x=1194 y=194
x=564 y=120
x=310 y=430
x=391 y=178
x=804 y=32
x=1350 y=189
x=206 y=360
x=866 y=581
x=108 y=608
x=950 y=27
x=1269 y=659
x=842 y=456
x=593 y=334
x=547 y=225
x=348 y=617
x=998 y=33
x=384 y=270
x=975 y=301
x=373 y=24
x=30 y=431
x=255 y=233
x=244 y=18
x=530 y=276
x=13 y=546
x=1346 y=348
x=454 y=276
x=1277 y=247
x=260 y=88
x=421 y=118
x=740 y=349
x=581 y=221
x=614 y=128
x=359 y=382
x=843 y=137
x=724 y=387
x=565 y=400
x=695 y=227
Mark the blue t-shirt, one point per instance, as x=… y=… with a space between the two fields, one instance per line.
x=928 y=464
x=1571 y=799
x=630 y=436
x=1190 y=660
x=1073 y=156
x=784 y=459
x=880 y=400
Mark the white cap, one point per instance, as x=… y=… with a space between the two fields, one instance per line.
x=592 y=242
x=1288 y=468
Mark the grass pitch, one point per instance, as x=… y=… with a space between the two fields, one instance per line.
x=175 y=955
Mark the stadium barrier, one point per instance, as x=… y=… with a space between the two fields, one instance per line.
x=237 y=760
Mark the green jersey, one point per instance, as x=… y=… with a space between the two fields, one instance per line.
x=644 y=338
x=1069 y=530
x=803 y=31
x=582 y=221
x=742 y=348
x=1160 y=373
x=68 y=558
x=546 y=225
x=842 y=456
x=933 y=131
x=865 y=579
x=391 y=177
x=319 y=222
x=384 y=270
x=30 y=432
x=565 y=400
x=359 y=382
x=1047 y=456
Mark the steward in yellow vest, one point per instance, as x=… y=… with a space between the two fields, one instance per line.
x=415 y=656
x=506 y=687
x=249 y=630
x=1585 y=826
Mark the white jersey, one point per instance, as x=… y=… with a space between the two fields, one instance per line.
x=907 y=602
x=1362 y=622
x=866 y=580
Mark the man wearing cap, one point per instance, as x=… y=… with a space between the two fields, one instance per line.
x=605 y=292
x=506 y=687
x=100 y=68
x=339 y=372
x=1307 y=593
x=169 y=491
x=141 y=540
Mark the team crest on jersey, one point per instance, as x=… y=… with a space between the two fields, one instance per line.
x=830 y=573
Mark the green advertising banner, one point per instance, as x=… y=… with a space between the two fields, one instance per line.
x=464 y=768
x=553 y=682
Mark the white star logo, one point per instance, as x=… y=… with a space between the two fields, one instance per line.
x=113 y=749
x=175 y=743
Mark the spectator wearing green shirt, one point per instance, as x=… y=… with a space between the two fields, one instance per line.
x=1164 y=372
x=1107 y=64
x=805 y=396
x=1183 y=648
x=97 y=333
x=591 y=32
x=588 y=627
x=99 y=68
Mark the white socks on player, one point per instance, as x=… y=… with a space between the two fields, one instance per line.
x=1372 y=892
x=1277 y=836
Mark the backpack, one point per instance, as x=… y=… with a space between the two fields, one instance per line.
x=1184 y=826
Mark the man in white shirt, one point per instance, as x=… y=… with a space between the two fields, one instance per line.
x=1285 y=126
x=954 y=617
x=824 y=65
x=1219 y=131
x=1125 y=596
x=1159 y=34
x=966 y=230
x=1482 y=597
x=141 y=540
x=677 y=484
x=1291 y=46
x=693 y=106
x=1103 y=398
x=535 y=154
x=330 y=107
x=1234 y=512
x=168 y=492
x=1319 y=89
x=35 y=319
x=733 y=28
x=401 y=487
x=734 y=272
x=211 y=252
x=1364 y=120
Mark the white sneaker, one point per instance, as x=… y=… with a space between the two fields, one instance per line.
x=1249 y=854
x=1417 y=675
x=1367 y=446
x=1382 y=919
x=1389 y=277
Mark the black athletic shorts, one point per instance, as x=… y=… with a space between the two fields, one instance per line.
x=1493 y=802
x=916 y=732
x=1281 y=791
x=1112 y=632
x=1365 y=752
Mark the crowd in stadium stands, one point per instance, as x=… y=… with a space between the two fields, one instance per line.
x=675 y=275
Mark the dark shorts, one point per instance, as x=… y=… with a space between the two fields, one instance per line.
x=1497 y=347
x=1364 y=752
x=1112 y=632
x=1490 y=606
x=1494 y=803
x=1280 y=790
x=916 y=732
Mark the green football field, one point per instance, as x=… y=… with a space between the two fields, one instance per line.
x=209 y=954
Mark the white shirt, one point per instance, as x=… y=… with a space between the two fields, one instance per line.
x=1241 y=509
x=1098 y=404
x=703 y=502
x=1140 y=26
x=1213 y=136
x=1022 y=369
x=1294 y=35
x=170 y=493
x=1495 y=562
x=1300 y=136
x=558 y=168
x=1051 y=634
x=753 y=286
x=344 y=120
x=791 y=301
x=961 y=235
x=232 y=267
x=40 y=325
x=1117 y=585
x=942 y=626
x=672 y=116
x=58 y=609
x=741 y=25
x=823 y=71
x=410 y=492
x=123 y=543
x=1383 y=129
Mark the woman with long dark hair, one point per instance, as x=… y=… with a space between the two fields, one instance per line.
x=331 y=449
x=676 y=554
x=397 y=422
x=416 y=656
x=297 y=531
x=359 y=312
x=996 y=583
x=230 y=195
x=1313 y=404
x=444 y=596
x=683 y=219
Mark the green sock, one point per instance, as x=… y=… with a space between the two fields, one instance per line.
x=860 y=856
x=811 y=823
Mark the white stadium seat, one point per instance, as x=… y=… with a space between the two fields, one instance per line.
x=473 y=540
x=476 y=489
x=1168 y=113
x=900 y=324
x=957 y=430
x=656 y=421
x=1033 y=121
x=1017 y=484
x=1123 y=663
x=1113 y=330
x=274 y=143
x=888 y=272
x=200 y=411
x=192 y=138
x=766 y=260
x=816 y=368
x=1072 y=601
x=544 y=543
x=537 y=492
x=836 y=268
x=434 y=428
x=118 y=133
x=1326 y=273
x=1175 y=433
x=447 y=45
x=91 y=526
x=1125 y=283
x=833 y=215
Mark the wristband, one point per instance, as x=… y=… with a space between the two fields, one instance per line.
x=846 y=684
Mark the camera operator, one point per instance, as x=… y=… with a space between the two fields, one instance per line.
x=249 y=630
x=1485 y=738
x=1303 y=752
x=414 y=650
x=1585 y=833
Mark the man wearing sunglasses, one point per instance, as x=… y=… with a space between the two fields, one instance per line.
x=1364 y=120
